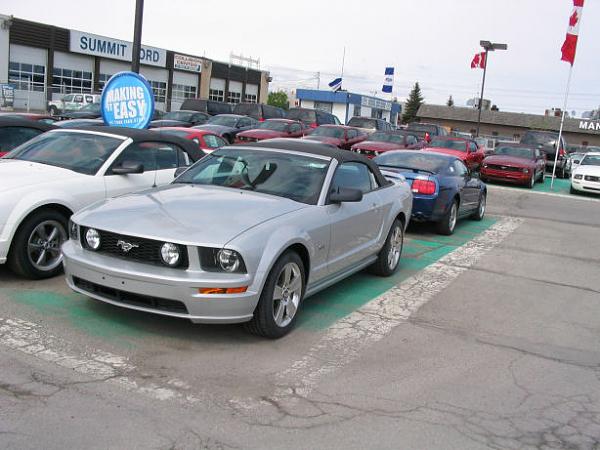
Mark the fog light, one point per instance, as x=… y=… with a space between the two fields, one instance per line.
x=92 y=239
x=170 y=254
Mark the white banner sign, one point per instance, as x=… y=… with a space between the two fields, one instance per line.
x=189 y=63
x=376 y=103
x=92 y=44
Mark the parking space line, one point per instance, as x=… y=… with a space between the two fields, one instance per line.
x=349 y=337
x=494 y=187
x=30 y=338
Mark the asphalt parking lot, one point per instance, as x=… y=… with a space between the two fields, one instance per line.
x=486 y=339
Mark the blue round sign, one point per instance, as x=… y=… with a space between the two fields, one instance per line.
x=127 y=101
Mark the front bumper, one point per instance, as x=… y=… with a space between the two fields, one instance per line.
x=508 y=176
x=158 y=290
x=585 y=186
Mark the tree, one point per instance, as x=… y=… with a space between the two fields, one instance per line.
x=450 y=101
x=414 y=102
x=279 y=99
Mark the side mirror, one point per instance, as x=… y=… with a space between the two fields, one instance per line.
x=343 y=195
x=128 y=167
x=179 y=171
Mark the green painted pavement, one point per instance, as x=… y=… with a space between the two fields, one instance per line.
x=125 y=327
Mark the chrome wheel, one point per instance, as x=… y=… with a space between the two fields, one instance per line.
x=396 y=242
x=287 y=294
x=452 y=218
x=43 y=245
x=482 y=205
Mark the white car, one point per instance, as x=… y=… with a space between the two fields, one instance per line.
x=71 y=102
x=586 y=176
x=45 y=180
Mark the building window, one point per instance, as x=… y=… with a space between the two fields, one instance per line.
x=102 y=80
x=357 y=111
x=159 y=88
x=27 y=77
x=234 y=97
x=216 y=95
x=324 y=106
x=182 y=91
x=251 y=98
x=67 y=81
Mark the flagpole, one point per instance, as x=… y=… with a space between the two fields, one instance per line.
x=560 y=131
x=485 y=64
x=343 y=61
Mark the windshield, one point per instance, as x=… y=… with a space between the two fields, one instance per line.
x=183 y=116
x=429 y=162
x=226 y=121
x=387 y=137
x=273 y=125
x=518 y=152
x=590 y=160
x=80 y=152
x=303 y=115
x=361 y=122
x=329 y=132
x=296 y=177
x=539 y=138
x=451 y=144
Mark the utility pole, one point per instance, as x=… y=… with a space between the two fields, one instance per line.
x=318 y=80
x=137 y=36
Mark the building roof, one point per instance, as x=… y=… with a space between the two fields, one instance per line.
x=509 y=119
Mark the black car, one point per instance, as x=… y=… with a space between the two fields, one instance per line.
x=258 y=111
x=546 y=142
x=181 y=118
x=312 y=117
x=15 y=131
x=426 y=131
x=211 y=107
x=228 y=125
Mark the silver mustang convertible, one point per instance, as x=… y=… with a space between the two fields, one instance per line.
x=242 y=236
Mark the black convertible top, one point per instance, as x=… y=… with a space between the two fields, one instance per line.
x=136 y=135
x=18 y=122
x=316 y=148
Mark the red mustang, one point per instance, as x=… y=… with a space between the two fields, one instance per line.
x=206 y=140
x=381 y=142
x=465 y=149
x=339 y=135
x=272 y=128
x=515 y=163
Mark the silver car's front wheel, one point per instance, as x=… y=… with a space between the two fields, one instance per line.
x=43 y=245
x=287 y=294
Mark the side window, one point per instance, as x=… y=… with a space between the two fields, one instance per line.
x=460 y=170
x=68 y=98
x=11 y=137
x=212 y=141
x=78 y=99
x=89 y=99
x=352 y=175
x=473 y=146
x=295 y=128
x=351 y=134
x=198 y=117
x=244 y=122
x=152 y=155
x=183 y=158
x=411 y=140
x=336 y=120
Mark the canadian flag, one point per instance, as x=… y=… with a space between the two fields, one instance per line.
x=478 y=61
x=570 y=45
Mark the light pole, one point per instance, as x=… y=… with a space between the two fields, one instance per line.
x=137 y=36
x=488 y=47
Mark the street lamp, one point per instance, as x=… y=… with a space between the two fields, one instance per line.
x=488 y=47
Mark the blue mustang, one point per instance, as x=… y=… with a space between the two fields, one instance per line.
x=444 y=190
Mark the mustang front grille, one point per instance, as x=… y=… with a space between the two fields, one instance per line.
x=505 y=168
x=592 y=178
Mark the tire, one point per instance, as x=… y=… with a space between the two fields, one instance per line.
x=543 y=177
x=481 y=207
x=53 y=110
x=264 y=322
x=447 y=225
x=388 y=258
x=531 y=183
x=39 y=237
x=573 y=191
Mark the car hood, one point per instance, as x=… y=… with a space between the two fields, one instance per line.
x=447 y=151
x=169 y=123
x=587 y=170
x=505 y=160
x=186 y=214
x=262 y=134
x=377 y=146
x=325 y=139
x=19 y=175
x=217 y=129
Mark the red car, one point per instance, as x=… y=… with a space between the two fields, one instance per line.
x=515 y=163
x=465 y=149
x=339 y=135
x=206 y=140
x=381 y=142
x=272 y=128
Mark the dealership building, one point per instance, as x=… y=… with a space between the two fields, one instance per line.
x=45 y=62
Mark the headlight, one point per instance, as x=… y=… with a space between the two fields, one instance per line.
x=73 y=230
x=578 y=177
x=229 y=260
x=170 y=254
x=92 y=239
x=485 y=165
x=525 y=170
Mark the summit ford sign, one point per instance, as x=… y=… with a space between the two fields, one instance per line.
x=92 y=44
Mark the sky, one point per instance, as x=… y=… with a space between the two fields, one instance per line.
x=429 y=41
